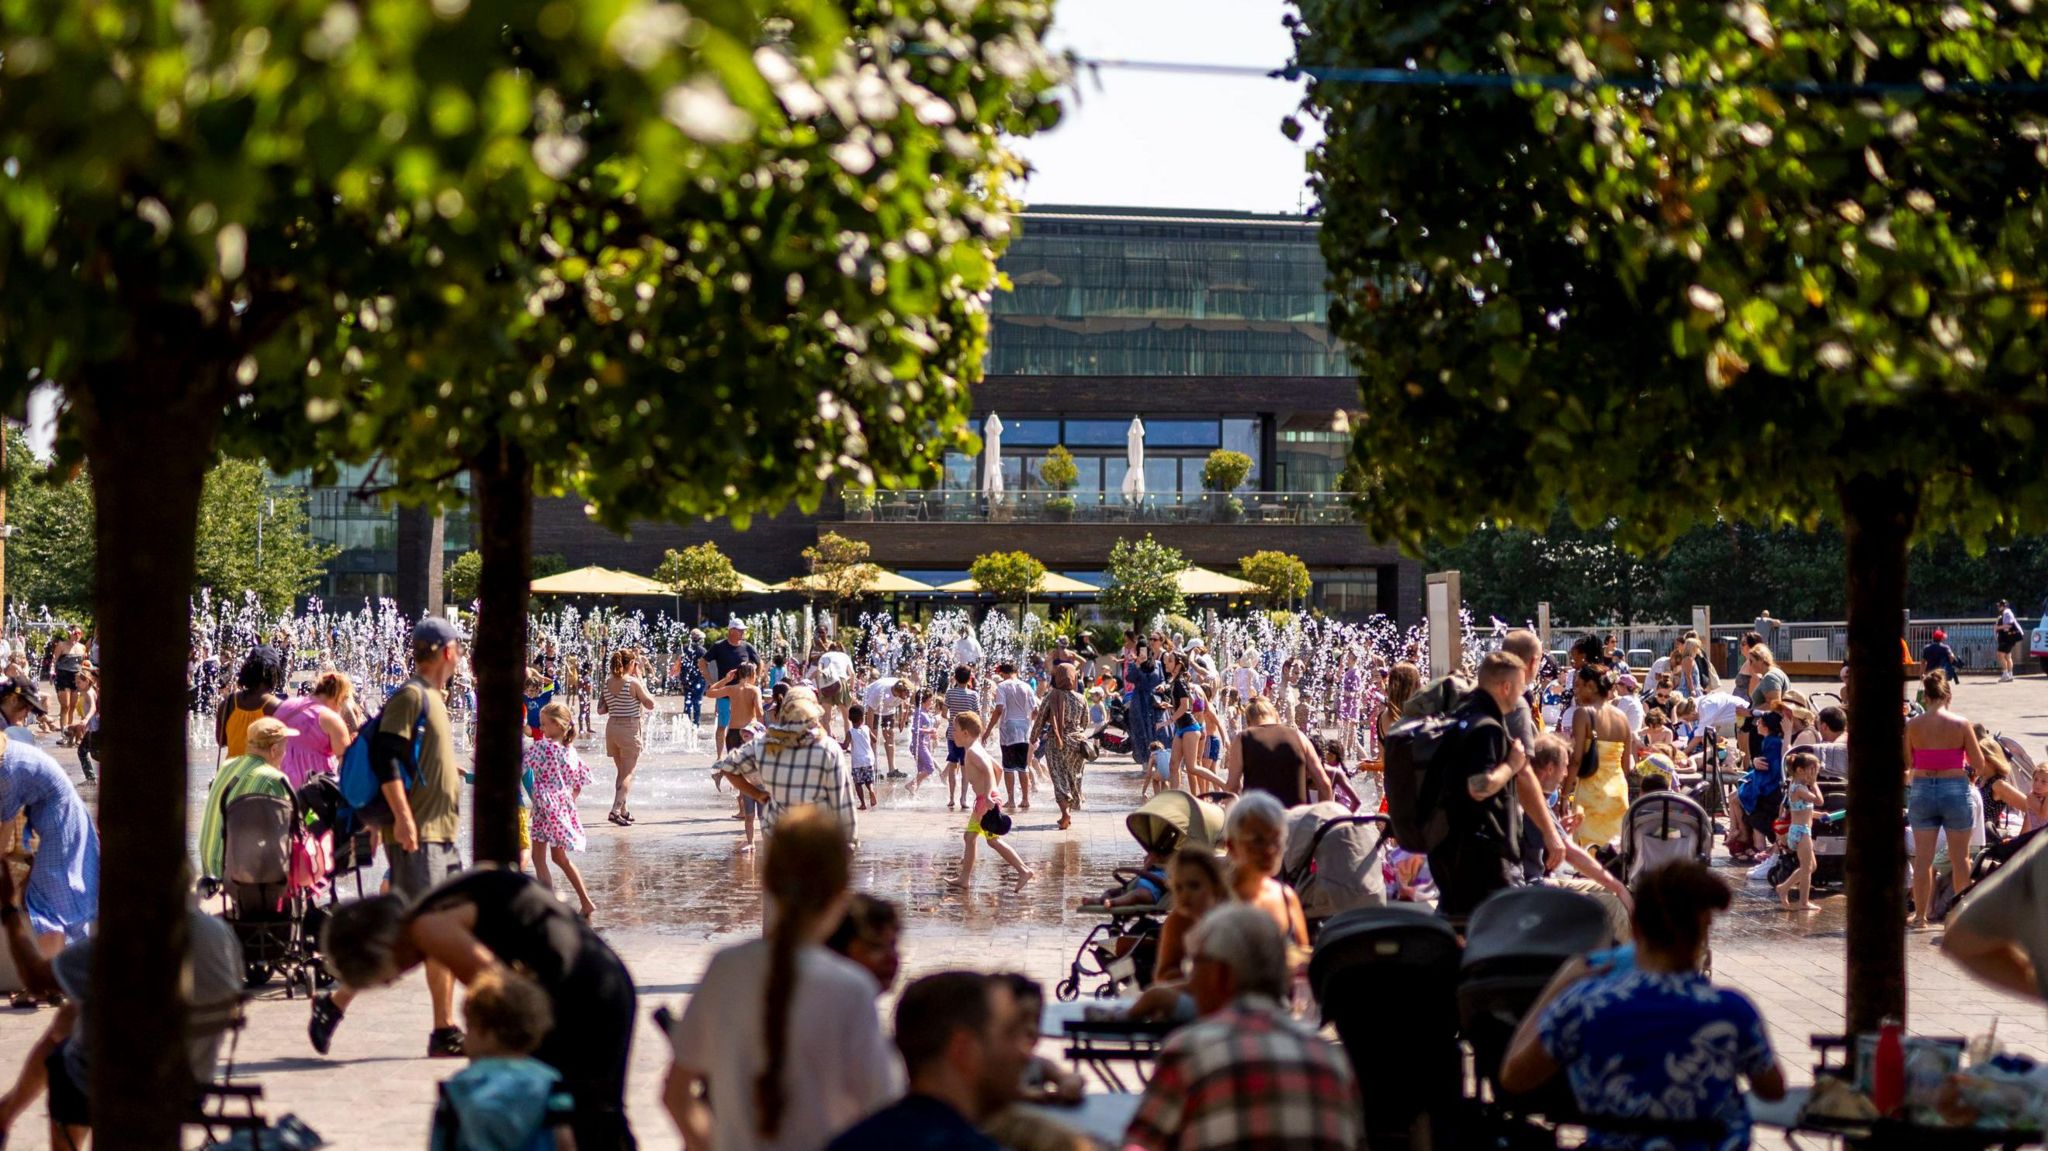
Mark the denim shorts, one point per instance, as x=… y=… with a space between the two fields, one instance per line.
x=1942 y=804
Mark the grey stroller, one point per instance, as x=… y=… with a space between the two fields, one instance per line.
x=1333 y=860
x=267 y=912
x=1664 y=827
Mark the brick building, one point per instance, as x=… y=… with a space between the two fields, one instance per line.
x=1207 y=326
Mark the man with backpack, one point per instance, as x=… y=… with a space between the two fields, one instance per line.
x=416 y=806
x=1480 y=851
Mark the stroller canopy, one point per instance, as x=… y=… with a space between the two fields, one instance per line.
x=1172 y=818
x=1534 y=925
x=1664 y=827
x=1333 y=859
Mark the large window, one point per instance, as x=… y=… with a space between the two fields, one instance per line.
x=1175 y=451
x=1163 y=296
x=1348 y=593
x=1310 y=461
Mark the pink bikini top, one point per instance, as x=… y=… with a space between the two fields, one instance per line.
x=1938 y=759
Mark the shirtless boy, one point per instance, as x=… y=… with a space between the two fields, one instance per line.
x=979 y=779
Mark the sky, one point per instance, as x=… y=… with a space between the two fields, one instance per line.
x=1146 y=139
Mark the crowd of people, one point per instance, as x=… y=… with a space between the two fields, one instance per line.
x=782 y=1044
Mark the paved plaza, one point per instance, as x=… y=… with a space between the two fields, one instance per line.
x=675 y=887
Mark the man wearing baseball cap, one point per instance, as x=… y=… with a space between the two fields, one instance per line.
x=420 y=845
x=253 y=774
x=20 y=702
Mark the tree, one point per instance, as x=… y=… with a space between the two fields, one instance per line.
x=1283 y=577
x=724 y=269
x=1771 y=262
x=461 y=577
x=50 y=554
x=1010 y=577
x=1141 y=580
x=256 y=537
x=195 y=198
x=701 y=574
x=1225 y=470
x=840 y=571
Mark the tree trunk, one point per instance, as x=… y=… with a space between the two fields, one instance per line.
x=1877 y=518
x=503 y=485
x=149 y=427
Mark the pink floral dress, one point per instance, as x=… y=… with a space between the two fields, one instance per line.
x=557 y=772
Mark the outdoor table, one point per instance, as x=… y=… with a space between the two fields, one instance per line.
x=1883 y=1134
x=1101 y=1044
x=1098 y=1121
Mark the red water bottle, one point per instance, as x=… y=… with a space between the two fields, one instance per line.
x=1888 y=1070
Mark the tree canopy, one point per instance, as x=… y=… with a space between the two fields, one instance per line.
x=1769 y=261
x=700 y=573
x=1141 y=580
x=1283 y=577
x=1010 y=577
x=840 y=571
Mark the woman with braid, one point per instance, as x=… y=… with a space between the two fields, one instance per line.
x=780 y=1048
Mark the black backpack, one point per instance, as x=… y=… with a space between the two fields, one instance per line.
x=1420 y=761
x=1441 y=697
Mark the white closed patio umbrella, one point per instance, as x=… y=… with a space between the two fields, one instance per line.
x=992 y=455
x=1134 y=451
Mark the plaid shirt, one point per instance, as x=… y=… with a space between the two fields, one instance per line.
x=1248 y=1078
x=811 y=771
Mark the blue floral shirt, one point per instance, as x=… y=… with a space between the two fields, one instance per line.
x=1652 y=1045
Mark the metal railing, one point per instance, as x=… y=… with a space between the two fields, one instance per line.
x=1804 y=641
x=1325 y=508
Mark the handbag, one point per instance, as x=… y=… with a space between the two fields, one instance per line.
x=1589 y=763
x=995 y=822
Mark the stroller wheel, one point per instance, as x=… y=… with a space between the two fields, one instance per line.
x=256 y=974
x=1108 y=990
x=1068 y=989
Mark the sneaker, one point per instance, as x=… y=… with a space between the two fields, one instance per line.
x=326 y=1017
x=445 y=1043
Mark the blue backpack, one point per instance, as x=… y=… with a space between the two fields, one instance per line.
x=362 y=797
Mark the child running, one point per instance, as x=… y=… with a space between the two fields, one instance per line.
x=745 y=714
x=978 y=779
x=559 y=777
x=860 y=748
x=1802 y=799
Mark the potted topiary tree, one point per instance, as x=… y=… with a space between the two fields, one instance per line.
x=1059 y=473
x=1222 y=474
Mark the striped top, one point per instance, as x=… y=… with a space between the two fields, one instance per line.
x=620 y=699
x=959 y=699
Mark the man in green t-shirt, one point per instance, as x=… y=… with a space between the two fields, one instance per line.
x=420 y=847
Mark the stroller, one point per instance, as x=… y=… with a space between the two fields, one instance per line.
x=1830 y=842
x=263 y=903
x=1516 y=941
x=1123 y=949
x=1664 y=827
x=1115 y=732
x=1404 y=1047
x=1332 y=860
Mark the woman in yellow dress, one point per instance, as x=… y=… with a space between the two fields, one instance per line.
x=1603 y=753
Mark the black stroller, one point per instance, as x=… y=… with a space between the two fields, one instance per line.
x=1124 y=948
x=261 y=902
x=1403 y=1047
x=1664 y=827
x=1516 y=941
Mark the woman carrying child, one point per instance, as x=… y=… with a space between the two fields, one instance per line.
x=559 y=777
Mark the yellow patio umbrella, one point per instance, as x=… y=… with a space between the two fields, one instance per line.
x=599 y=581
x=751 y=586
x=1052 y=583
x=880 y=581
x=1202 y=581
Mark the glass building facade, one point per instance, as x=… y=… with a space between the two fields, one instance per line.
x=364 y=529
x=1116 y=293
